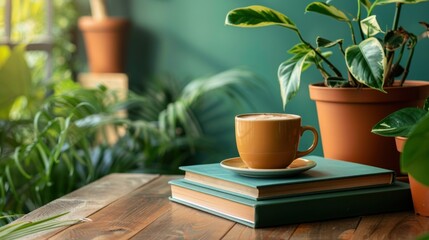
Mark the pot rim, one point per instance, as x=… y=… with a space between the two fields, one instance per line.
x=412 y=90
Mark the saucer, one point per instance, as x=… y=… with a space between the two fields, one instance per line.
x=298 y=165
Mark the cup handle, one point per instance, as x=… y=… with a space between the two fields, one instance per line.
x=313 y=145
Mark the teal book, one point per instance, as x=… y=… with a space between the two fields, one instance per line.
x=327 y=175
x=293 y=210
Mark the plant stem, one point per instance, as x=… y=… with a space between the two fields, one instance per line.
x=388 y=80
x=331 y=66
x=407 y=66
x=397 y=16
x=358 y=20
x=352 y=32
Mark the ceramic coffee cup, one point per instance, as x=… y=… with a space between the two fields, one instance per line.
x=270 y=140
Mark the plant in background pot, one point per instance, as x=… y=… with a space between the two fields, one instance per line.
x=349 y=103
x=410 y=127
x=104 y=39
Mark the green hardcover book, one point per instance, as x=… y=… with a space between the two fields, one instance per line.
x=327 y=175
x=293 y=210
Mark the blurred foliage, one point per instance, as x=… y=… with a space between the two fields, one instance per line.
x=56 y=149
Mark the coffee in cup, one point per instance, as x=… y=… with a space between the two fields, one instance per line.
x=270 y=140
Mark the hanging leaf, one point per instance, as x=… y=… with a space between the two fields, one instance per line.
x=370 y=26
x=328 y=10
x=289 y=75
x=366 y=63
x=257 y=16
x=399 y=123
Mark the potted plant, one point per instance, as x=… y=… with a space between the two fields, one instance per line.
x=104 y=38
x=349 y=103
x=410 y=127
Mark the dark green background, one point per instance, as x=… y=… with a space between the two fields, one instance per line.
x=188 y=39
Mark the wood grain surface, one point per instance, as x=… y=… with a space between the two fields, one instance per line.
x=136 y=206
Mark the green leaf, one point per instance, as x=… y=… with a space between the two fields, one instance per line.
x=328 y=10
x=325 y=43
x=414 y=158
x=300 y=48
x=399 y=123
x=382 y=2
x=370 y=26
x=257 y=16
x=366 y=63
x=395 y=39
x=289 y=75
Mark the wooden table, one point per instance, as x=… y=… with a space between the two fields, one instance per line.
x=136 y=206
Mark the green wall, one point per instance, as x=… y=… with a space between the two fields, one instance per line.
x=188 y=38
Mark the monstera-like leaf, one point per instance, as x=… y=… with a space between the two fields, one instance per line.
x=258 y=16
x=366 y=63
x=15 y=77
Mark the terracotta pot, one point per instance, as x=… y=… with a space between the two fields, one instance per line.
x=419 y=192
x=104 y=43
x=347 y=115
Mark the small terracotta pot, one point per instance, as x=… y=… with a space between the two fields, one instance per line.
x=347 y=115
x=419 y=191
x=104 y=43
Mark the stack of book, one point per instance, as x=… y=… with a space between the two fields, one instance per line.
x=332 y=189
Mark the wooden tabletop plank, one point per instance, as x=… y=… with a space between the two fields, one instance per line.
x=241 y=232
x=182 y=222
x=334 y=229
x=401 y=225
x=125 y=217
x=88 y=199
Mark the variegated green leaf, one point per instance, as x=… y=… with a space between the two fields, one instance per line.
x=328 y=10
x=289 y=75
x=382 y=2
x=414 y=158
x=325 y=43
x=370 y=26
x=300 y=48
x=366 y=63
x=399 y=123
x=257 y=16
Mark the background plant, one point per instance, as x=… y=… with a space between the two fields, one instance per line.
x=47 y=153
x=370 y=59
